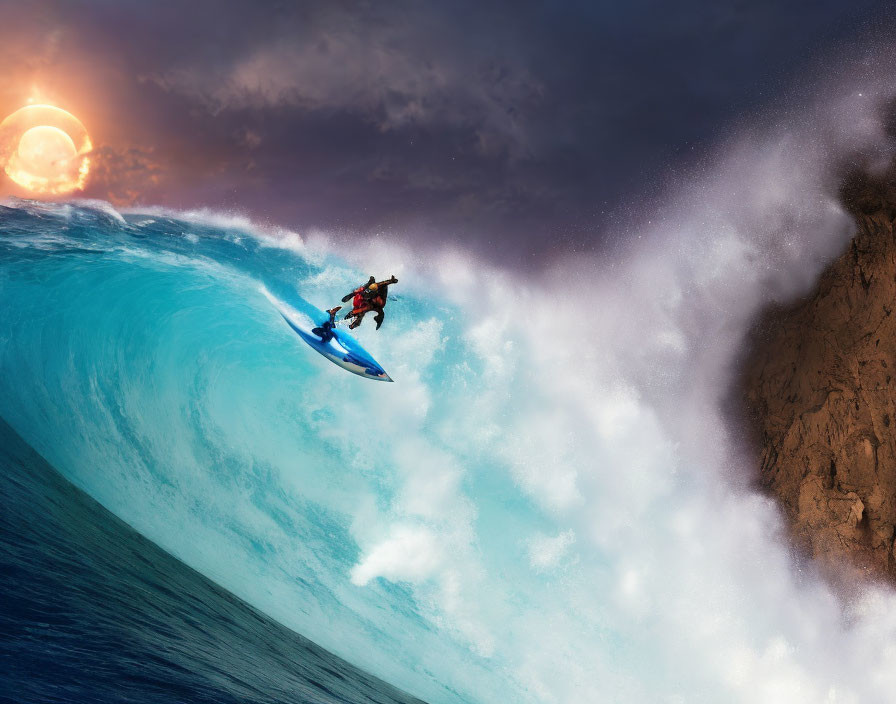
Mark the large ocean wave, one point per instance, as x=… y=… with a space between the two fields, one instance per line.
x=548 y=505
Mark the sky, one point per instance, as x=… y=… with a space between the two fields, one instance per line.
x=520 y=130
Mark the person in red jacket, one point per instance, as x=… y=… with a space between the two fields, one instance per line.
x=368 y=297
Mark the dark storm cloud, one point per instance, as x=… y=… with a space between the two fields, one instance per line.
x=512 y=126
x=395 y=76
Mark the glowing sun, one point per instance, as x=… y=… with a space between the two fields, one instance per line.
x=44 y=150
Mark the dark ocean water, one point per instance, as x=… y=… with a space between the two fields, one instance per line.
x=91 y=611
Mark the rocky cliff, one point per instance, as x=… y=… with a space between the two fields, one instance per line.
x=820 y=389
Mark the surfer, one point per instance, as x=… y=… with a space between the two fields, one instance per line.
x=325 y=331
x=368 y=297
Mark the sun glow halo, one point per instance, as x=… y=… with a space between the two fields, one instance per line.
x=44 y=150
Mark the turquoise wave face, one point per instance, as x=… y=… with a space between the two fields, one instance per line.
x=142 y=357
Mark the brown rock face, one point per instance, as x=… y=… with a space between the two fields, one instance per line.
x=820 y=386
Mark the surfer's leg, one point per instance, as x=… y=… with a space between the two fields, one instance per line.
x=357 y=321
x=380 y=314
x=324 y=332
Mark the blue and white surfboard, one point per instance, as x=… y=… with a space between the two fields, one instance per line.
x=341 y=349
